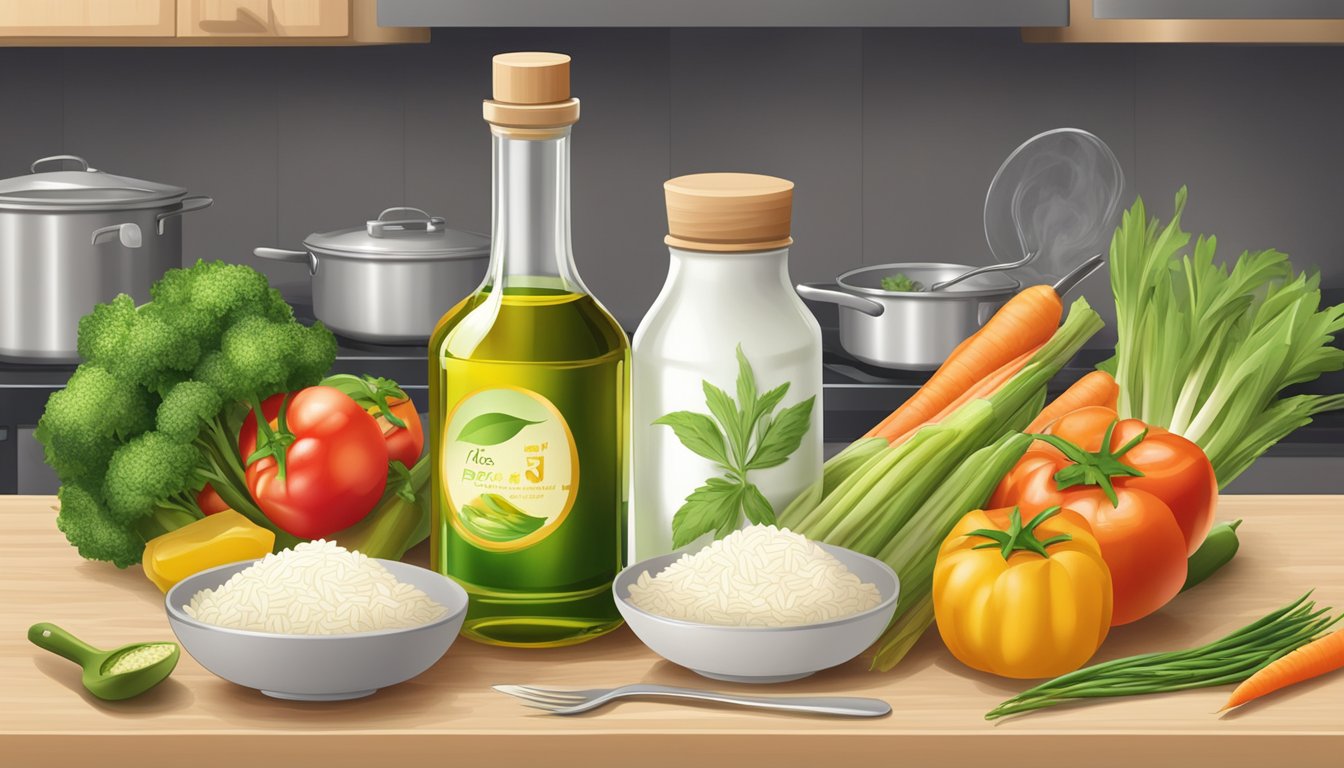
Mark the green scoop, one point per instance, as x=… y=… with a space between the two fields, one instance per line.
x=112 y=675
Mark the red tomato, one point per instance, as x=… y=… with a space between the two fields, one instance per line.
x=335 y=467
x=1158 y=518
x=1174 y=469
x=209 y=501
x=404 y=445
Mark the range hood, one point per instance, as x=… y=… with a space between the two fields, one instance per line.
x=723 y=13
x=1197 y=21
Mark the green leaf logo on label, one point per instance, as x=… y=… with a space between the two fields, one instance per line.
x=492 y=429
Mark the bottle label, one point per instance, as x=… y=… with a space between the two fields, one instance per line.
x=510 y=468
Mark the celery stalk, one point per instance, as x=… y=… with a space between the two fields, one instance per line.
x=1207 y=352
x=914 y=551
x=837 y=469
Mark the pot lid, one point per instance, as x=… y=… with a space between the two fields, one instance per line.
x=407 y=233
x=84 y=188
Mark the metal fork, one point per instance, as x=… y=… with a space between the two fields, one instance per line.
x=574 y=702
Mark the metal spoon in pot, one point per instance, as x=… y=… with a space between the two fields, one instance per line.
x=113 y=675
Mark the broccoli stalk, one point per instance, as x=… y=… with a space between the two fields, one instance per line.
x=153 y=412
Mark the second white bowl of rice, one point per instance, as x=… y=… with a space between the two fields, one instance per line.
x=291 y=655
x=736 y=647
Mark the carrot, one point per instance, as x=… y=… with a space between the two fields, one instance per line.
x=1316 y=658
x=984 y=388
x=988 y=385
x=1096 y=388
x=1028 y=320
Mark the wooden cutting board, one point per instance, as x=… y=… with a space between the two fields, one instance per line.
x=450 y=716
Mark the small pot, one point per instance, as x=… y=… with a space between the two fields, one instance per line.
x=917 y=330
x=389 y=281
x=71 y=239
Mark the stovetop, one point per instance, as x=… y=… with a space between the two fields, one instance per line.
x=857 y=395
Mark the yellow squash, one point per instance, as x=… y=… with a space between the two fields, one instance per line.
x=1023 y=601
x=218 y=539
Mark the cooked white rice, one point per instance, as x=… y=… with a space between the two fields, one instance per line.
x=316 y=588
x=760 y=576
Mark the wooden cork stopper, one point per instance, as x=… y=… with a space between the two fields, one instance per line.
x=729 y=212
x=531 y=90
x=531 y=78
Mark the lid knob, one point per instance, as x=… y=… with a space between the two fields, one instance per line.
x=531 y=90
x=729 y=212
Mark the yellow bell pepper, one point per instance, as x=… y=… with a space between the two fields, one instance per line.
x=1023 y=601
x=218 y=539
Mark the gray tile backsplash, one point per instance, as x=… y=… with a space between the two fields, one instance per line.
x=783 y=102
x=891 y=135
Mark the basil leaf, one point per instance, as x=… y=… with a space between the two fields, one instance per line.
x=784 y=436
x=492 y=429
x=756 y=507
x=725 y=411
x=746 y=390
x=769 y=400
x=708 y=508
x=697 y=432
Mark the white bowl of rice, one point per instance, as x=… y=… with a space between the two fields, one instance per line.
x=761 y=605
x=316 y=623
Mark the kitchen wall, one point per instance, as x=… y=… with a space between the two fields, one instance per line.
x=891 y=135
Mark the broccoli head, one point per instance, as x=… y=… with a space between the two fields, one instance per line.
x=186 y=408
x=152 y=414
x=146 y=472
x=86 y=524
x=85 y=422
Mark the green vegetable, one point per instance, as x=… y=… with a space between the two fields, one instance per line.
x=493 y=518
x=153 y=412
x=1229 y=660
x=1206 y=352
x=740 y=436
x=1218 y=549
x=900 y=283
x=898 y=502
x=400 y=521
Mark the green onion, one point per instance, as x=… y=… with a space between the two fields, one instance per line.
x=1228 y=660
x=1205 y=352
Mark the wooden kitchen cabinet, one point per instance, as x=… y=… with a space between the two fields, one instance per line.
x=263 y=18
x=88 y=18
x=198 y=23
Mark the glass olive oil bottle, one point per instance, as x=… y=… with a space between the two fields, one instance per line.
x=529 y=389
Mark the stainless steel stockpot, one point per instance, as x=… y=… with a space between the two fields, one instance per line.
x=917 y=330
x=389 y=281
x=71 y=239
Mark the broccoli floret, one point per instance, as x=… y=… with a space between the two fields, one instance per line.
x=186 y=408
x=143 y=473
x=214 y=336
x=86 y=525
x=208 y=298
x=85 y=422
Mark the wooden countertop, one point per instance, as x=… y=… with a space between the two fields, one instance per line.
x=1289 y=544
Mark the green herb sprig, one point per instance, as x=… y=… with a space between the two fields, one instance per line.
x=739 y=436
x=1229 y=660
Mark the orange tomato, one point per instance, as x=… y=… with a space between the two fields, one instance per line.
x=1164 y=491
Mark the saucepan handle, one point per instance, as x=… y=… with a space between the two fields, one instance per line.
x=58 y=159
x=127 y=234
x=833 y=294
x=294 y=257
x=189 y=204
x=1078 y=274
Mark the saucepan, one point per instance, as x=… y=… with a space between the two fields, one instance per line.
x=917 y=330
x=71 y=239
x=389 y=281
